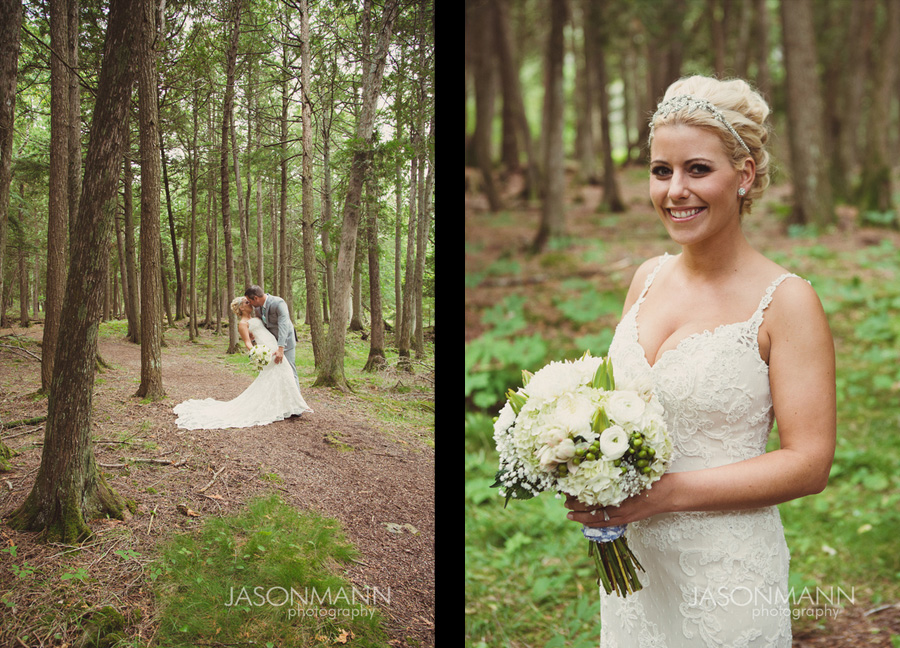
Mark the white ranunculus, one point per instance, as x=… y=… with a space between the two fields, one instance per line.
x=642 y=384
x=573 y=411
x=625 y=407
x=613 y=442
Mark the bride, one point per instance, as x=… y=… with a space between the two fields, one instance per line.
x=729 y=341
x=273 y=396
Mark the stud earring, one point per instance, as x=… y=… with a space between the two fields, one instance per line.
x=742 y=192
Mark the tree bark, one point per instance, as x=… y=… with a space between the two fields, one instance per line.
x=10 y=26
x=331 y=372
x=68 y=489
x=875 y=186
x=812 y=189
x=553 y=214
x=313 y=301
x=376 y=359
x=57 y=225
x=151 y=244
x=227 y=110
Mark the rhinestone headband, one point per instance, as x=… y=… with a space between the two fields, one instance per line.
x=692 y=103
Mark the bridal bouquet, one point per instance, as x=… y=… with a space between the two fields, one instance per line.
x=260 y=356
x=571 y=429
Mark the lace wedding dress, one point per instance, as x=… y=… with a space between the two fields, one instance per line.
x=273 y=396
x=713 y=579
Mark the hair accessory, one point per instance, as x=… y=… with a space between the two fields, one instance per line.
x=692 y=103
x=742 y=192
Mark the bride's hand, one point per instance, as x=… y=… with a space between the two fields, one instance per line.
x=650 y=502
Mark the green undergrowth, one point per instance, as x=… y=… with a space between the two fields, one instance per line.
x=270 y=575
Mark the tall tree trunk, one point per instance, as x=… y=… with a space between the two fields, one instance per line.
x=875 y=187
x=284 y=283
x=151 y=244
x=553 y=213
x=57 y=225
x=242 y=206
x=179 y=276
x=68 y=489
x=326 y=228
x=194 y=162
x=855 y=70
x=407 y=320
x=313 y=302
x=612 y=198
x=331 y=371
x=133 y=303
x=422 y=232
x=480 y=20
x=376 y=359
x=74 y=22
x=812 y=190
x=10 y=26
x=228 y=108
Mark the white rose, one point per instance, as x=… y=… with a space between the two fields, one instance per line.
x=625 y=407
x=614 y=442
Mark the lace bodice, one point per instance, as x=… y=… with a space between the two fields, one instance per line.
x=261 y=334
x=714 y=388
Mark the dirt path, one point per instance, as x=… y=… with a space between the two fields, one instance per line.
x=343 y=461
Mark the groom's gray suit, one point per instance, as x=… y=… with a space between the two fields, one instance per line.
x=275 y=317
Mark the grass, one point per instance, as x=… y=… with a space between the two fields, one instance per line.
x=528 y=578
x=270 y=575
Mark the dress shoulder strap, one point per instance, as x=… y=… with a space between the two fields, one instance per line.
x=757 y=318
x=662 y=260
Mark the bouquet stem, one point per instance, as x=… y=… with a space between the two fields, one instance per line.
x=615 y=566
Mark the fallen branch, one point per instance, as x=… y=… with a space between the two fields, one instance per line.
x=15 y=348
x=216 y=474
x=13 y=436
x=131 y=460
x=21 y=422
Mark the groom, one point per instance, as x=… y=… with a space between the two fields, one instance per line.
x=274 y=314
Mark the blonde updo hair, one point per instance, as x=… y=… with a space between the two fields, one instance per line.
x=742 y=107
x=236 y=305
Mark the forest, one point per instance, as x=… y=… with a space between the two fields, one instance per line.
x=156 y=160
x=559 y=95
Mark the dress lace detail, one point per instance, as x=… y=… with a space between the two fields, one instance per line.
x=713 y=579
x=273 y=396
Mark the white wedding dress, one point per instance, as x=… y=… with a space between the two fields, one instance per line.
x=713 y=579
x=273 y=396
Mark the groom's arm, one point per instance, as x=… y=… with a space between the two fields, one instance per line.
x=284 y=323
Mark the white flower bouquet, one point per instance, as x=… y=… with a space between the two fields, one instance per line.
x=571 y=429
x=260 y=356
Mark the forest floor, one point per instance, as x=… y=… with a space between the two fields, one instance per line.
x=606 y=249
x=360 y=458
